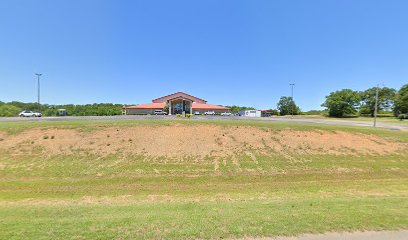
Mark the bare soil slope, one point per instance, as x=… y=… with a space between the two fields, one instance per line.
x=199 y=141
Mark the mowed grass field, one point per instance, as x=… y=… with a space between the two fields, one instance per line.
x=198 y=179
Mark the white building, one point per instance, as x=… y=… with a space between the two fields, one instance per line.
x=250 y=113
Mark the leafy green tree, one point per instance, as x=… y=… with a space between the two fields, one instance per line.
x=341 y=103
x=7 y=110
x=96 y=109
x=166 y=109
x=401 y=101
x=314 y=112
x=385 y=100
x=235 y=109
x=286 y=105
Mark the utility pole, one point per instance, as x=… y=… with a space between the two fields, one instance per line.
x=38 y=85
x=376 y=106
x=293 y=102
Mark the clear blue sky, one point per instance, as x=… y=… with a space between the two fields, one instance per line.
x=227 y=52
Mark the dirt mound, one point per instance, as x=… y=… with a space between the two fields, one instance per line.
x=178 y=141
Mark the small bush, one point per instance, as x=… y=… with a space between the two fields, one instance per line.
x=45 y=137
x=402 y=116
x=52 y=137
x=178 y=115
x=188 y=115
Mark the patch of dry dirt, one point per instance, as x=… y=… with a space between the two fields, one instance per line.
x=179 y=141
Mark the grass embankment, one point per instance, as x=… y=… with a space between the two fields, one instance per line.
x=263 y=180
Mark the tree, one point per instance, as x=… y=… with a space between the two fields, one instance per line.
x=235 y=109
x=401 y=101
x=286 y=105
x=314 y=112
x=341 y=103
x=166 y=109
x=385 y=100
x=96 y=109
x=7 y=110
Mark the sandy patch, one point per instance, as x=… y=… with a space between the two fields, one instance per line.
x=366 y=235
x=199 y=141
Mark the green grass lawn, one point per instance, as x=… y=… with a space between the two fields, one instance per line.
x=88 y=196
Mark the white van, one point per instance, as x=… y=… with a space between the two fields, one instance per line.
x=159 y=112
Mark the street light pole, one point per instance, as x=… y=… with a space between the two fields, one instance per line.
x=38 y=85
x=292 y=105
x=376 y=107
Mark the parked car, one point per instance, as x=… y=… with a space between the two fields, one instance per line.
x=209 y=113
x=27 y=113
x=196 y=113
x=159 y=112
x=226 y=114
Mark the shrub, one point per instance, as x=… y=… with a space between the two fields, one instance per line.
x=7 y=110
x=402 y=116
x=45 y=137
x=178 y=115
x=188 y=115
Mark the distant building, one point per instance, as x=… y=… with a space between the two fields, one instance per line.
x=177 y=103
x=250 y=113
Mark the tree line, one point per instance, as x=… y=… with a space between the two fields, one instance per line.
x=347 y=102
x=12 y=109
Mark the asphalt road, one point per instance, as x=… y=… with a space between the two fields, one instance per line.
x=392 y=126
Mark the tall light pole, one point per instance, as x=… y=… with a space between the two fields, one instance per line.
x=292 y=105
x=38 y=85
x=376 y=106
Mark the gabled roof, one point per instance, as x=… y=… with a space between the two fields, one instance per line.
x=149 y=106
x=178 y=95
x=209 y=106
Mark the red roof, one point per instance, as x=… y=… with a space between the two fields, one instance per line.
x=195 y=106
x=208 y=106
x=149 y=106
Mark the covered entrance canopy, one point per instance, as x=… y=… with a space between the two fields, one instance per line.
x=178 y=106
